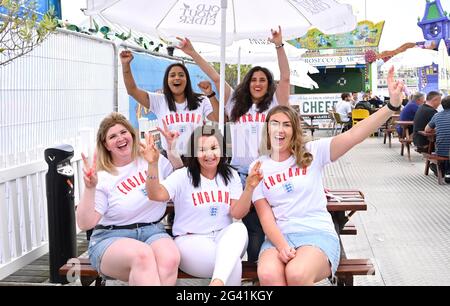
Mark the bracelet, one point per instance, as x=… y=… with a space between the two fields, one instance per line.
x=279 y=46
x=211 y=95
x=392 y=107
x=152 y=177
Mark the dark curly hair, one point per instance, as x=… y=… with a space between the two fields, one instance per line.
x=243 y=99
x=193 y=99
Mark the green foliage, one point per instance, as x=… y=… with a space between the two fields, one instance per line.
x=123 y=36
x=106 y=33
x=231 y=72
x=20 y=30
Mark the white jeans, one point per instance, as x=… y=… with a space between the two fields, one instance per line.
x=216 y=255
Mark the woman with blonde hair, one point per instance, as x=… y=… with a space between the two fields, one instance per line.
x=129 y=242
x=301 y=245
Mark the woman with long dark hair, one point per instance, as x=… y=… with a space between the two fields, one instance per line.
x=178 y=106
x=247 y=109
x=207 y=195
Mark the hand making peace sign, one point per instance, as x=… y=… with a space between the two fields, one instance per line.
x=170 y=136
x=149 y=150
x=254 y=176
x=90 y=172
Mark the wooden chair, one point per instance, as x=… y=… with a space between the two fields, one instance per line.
x=389 y=130
x=340 y=125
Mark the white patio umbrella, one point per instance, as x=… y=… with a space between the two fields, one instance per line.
x=247 y=51
x=259 y=52
x=299 y=73
x=222 y=21
x=411 y=58
x=444 y=67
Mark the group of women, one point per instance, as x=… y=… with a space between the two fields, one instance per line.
x=273 y=183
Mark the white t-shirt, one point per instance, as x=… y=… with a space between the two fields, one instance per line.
x=203 y=209
x=246 y=133
x=297 y=195
x=122 y=199
x=343 y=108
x=183 y=120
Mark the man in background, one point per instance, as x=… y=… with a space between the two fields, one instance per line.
x=409 y=111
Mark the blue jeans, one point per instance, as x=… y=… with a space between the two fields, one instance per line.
x=101 y=239
x=327 y=243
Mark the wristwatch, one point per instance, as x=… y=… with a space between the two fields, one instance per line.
x=392 y=107
x=211 y=95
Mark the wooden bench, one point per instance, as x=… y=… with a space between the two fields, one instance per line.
x=342 y=204
x=437 y=160
x=405 y=139
x=344 y=274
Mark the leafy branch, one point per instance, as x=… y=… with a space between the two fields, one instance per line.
x=106 y=33
x=20 y=29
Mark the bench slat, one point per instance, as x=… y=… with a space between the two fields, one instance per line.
x=346 y=266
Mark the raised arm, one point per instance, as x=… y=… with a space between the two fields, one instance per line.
x=186 y=47
x=87 y=216
x=284 y=86
x=206 y=88
x=342 y=143
x=270 y=227
x=155 y=190
x=240 y=208
x=138 y=94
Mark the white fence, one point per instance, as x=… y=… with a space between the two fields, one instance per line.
x=56 y=94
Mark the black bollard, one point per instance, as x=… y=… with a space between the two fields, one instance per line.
x=61 y=210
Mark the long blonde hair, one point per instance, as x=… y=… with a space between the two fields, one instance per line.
x=104 y=159
x=302 y=157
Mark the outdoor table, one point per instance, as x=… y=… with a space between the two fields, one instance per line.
x=311 y=117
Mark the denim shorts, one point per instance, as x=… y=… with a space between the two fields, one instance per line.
x=101 y=239
x=327 y=243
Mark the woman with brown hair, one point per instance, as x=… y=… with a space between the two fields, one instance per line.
x=301 y=245
x=129 y=242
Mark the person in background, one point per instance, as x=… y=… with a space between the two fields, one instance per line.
x=364 y=103
x=355 y=98
x=179 y=106
x=246 y=108
x=129 y=242
x=302 y=246
x=207 y=195
x=374 y=100
x=440 y=122
x=423 y=115
x=344 y=108
x=409 y=111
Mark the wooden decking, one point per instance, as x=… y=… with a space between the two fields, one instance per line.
x=38 y=271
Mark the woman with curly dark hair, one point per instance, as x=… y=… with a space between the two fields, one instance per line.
x=247 y=108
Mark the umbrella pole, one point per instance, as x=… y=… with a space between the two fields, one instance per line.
x=224 y=4
x=239 y=67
